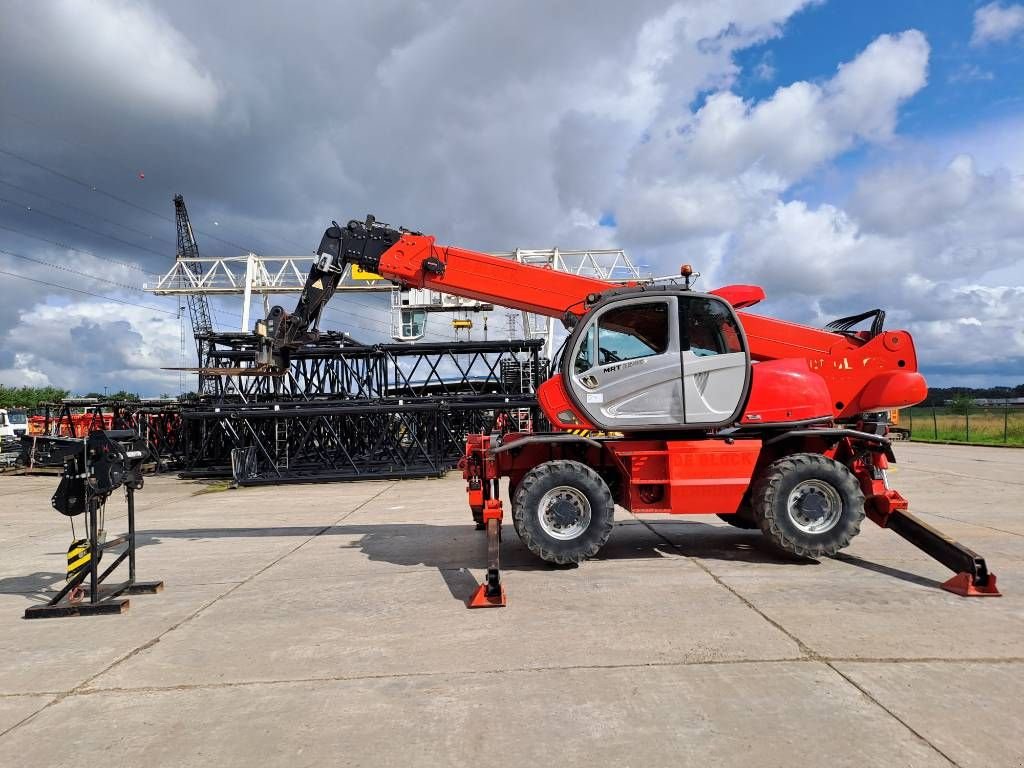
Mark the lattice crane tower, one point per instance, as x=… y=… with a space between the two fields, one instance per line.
x=198 y=304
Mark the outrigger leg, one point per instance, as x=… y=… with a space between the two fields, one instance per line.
x=491 y=594
x=972 y=578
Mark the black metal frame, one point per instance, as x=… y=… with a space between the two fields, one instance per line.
x=108 y=601
x=347 y=411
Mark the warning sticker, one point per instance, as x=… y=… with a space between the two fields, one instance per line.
x=358 y=273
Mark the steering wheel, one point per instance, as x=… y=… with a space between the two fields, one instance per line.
x=607 y=356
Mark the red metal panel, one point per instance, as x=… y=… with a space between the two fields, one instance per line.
x=710 y=476
x=685 y=477
x=784 y=391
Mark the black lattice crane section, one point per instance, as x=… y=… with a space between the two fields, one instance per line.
x=198 y=303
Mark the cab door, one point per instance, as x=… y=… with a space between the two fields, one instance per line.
x=626 y=365
x=715 y=361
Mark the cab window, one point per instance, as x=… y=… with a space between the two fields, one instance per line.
x=585 y=357
x=711 y=329
x=632 y=331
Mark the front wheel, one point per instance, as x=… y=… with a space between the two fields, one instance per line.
x=808 y=504
x=563 y=511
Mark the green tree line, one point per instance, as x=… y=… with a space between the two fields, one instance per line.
x=29 y=397
x=961 y=395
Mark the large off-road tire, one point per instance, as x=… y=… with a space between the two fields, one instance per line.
x=808 y=504
x=512 y=488
x=563 y=511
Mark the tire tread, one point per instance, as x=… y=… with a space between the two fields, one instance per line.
x=536 y=544
x=765 y=499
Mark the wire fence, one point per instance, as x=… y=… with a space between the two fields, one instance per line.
x=995 y=425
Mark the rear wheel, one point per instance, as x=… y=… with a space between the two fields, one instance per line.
x=563 y=511
x=808 y=504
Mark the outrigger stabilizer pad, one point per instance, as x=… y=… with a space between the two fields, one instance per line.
x=491 y=594
x=965 y=585
x=481 y=598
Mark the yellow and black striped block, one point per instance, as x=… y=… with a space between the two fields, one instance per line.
x=78 y=556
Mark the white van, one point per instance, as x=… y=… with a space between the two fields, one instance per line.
x=13 y=423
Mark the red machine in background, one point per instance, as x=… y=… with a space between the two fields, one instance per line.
x=667 y=401
x=68 y=424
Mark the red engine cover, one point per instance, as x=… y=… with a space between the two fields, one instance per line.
x=785 y=390
x=894 y=389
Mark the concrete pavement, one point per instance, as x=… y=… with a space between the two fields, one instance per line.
x=324 y=625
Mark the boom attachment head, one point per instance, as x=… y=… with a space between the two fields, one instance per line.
x=358 y=242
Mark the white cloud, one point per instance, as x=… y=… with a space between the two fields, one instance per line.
x=969 y=73
x=765 y=67
x=996 y=23
x=67 y=344
x=128 y=55
x=968 y=328
x=913 y=238
x=709 y=170
x=914 y=242
x=956 y=216
x=21 y=374
x=819 y=252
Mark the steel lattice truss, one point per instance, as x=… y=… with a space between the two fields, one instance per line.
x=348 y=411
x=338 y=367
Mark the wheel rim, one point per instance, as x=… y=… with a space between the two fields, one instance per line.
x=814 y=506
x=564 y=513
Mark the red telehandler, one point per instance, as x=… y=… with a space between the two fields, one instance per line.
x=665 y=400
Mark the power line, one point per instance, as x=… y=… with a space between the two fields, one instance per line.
x=86 y=212
x=116 y=198
x=94 y=188
x=72 y=271
x=111 y=159
x=59 y=244
x=46 y=126
x=86 y=293
x=30 y=209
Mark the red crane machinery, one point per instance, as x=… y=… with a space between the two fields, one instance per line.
x=666 y=400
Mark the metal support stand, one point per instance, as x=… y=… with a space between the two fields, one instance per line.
x=107 y=601
x=491 y=594
x=972 y=577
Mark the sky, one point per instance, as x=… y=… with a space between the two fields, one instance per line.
x=845 y=155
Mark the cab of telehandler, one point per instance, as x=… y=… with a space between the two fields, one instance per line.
x=646 y=359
